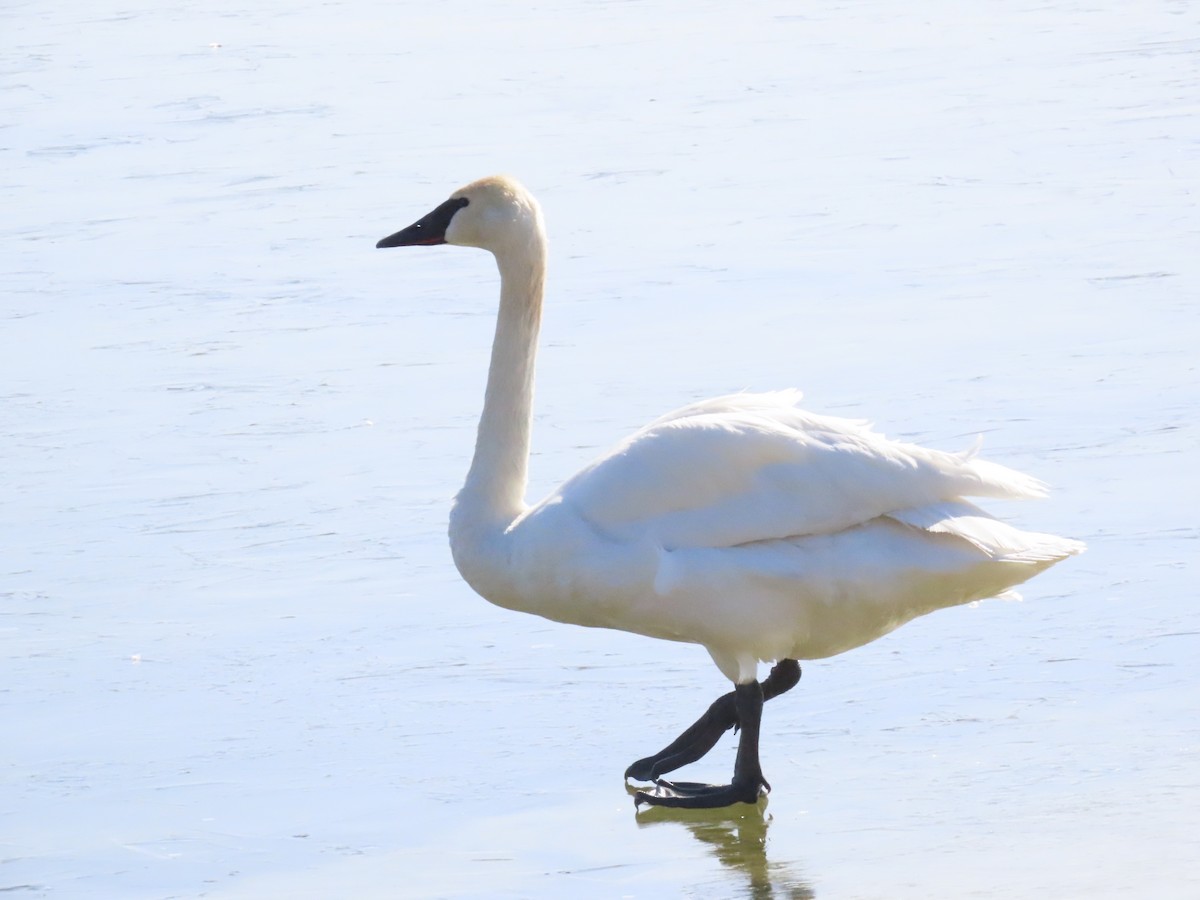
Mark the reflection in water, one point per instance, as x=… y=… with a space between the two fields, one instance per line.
x=738 y=838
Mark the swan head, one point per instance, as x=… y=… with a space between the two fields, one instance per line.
x=493 y=213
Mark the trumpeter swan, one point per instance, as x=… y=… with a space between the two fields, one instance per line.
x=741 y=523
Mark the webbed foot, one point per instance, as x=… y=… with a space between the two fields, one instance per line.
x=748 y=779
x=703 y=735
x=691 y=745
x=694 y=795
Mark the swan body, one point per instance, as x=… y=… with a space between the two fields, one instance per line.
x=761 y=532
x=742 y=523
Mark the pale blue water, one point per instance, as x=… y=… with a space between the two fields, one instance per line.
x=236 y=658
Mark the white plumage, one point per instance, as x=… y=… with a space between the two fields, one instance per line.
x=741 y=523
x=763 y=532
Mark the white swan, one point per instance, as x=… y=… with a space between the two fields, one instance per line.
x=762 y=532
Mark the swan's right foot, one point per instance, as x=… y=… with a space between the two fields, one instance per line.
x=691 y=795
x=747 y=783
x=703 y=735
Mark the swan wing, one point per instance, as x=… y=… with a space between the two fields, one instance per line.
x=753 y=467
x=998 y=540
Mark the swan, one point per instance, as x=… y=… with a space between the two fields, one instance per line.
x=741 y=523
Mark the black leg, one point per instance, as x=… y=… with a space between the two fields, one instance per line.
x=692 y=744
x=707 y=730
x=748 y=781
x=784 y=676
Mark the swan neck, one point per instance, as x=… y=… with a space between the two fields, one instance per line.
x=495 y=486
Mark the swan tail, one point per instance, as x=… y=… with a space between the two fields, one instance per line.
x=989 y=479
x=999 y=540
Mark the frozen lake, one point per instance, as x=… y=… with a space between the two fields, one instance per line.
x=237 y=661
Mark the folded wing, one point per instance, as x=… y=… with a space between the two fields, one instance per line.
x=753 y=467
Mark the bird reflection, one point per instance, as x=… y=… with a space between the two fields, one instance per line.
x=737 y=836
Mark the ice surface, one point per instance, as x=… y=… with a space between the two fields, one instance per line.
x=237 y=661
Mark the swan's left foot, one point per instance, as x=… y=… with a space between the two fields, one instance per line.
x=748 y=781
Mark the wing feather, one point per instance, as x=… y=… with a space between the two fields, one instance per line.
x=753 y=467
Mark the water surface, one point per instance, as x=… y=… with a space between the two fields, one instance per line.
x=237 y=661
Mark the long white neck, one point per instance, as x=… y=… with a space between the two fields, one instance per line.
x=494 y=492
